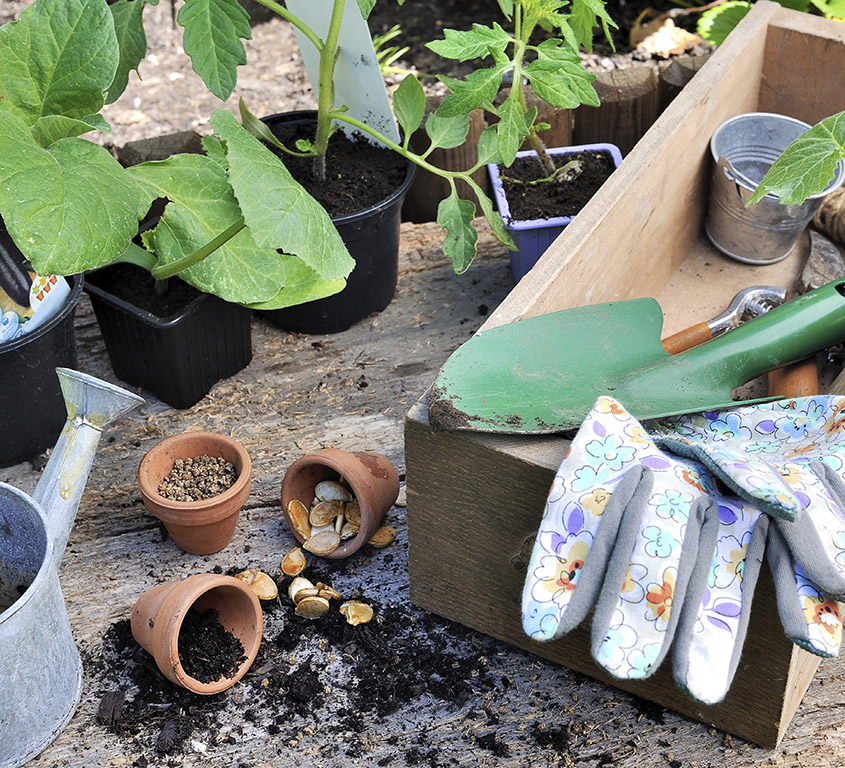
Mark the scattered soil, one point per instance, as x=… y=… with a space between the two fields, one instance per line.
x=207 y=650
x=359 y=174
x=201 y=477
x=558 y=198
x=137 y=287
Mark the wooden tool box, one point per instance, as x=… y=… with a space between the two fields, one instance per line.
x=475 y=500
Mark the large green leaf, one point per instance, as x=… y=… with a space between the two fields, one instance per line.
x=583 y=18
x=70 y=207
x=562 y=82
x=512 y=128
x=301 y=284
x=202 y=205
x=58 y=58
x=446 y=132
x=717 y=23
x=129 y=26
x=832 y=9
x=455 y=216
x=494 y=219
x=280 y=213
x=807 y=165
x=213 y=33
x=475 y=43
x=50 y=128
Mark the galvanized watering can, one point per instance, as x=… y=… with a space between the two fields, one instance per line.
x=40 y=671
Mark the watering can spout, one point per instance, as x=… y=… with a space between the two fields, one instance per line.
x=91 y=405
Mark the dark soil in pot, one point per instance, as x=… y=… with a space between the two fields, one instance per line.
x=207 y=650
x=137 y=287
x=359 y=174
x=559 y=198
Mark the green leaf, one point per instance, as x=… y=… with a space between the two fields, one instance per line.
x=563 y=83
x=583 y=20
x=301 y=284
x=835 y=9
x=256 y=127
x=476 y=43
x=807 y=165
x=488 y=146
x=795 y=5
x=507 y=8
x=513 y=127
x=129 y=27
x=215 y=150
x=201 y=206
x=70 y=207
x=409 y=105
x=497 y=225
x=447 y=132
x=280 y=213
x=366 y=7
x=715 y=25
x=455 y=216
x=49 y=129
x=58 y=58
x=213 y=33
x=478 y=89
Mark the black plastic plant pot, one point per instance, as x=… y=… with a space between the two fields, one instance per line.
x=32 y=409
x=372 y=238
x=178 y=358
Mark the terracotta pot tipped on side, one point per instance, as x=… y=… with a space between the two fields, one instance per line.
x=370 y=476
x=159 y=612
x=198 y=527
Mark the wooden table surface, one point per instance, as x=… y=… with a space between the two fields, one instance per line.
x=352 y=390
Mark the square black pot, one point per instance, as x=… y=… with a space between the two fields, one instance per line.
x=178 y=358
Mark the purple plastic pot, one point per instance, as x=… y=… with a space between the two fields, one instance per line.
x=532 y=237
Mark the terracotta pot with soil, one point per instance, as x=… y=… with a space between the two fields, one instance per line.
x=363 y=192
x=372 y=482
x=203 y=632
x=182 y=481
x=536 y=213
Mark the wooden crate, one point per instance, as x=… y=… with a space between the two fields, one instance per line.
x=475 y=500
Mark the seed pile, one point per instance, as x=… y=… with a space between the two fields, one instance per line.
x=202 y=477
x=334 y=516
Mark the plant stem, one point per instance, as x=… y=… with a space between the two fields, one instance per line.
x=162 y=271
x=135 y=254
x=325 y=89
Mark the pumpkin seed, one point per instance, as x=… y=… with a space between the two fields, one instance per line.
x=353 y=512
x=325 y=513
x=328 y=591
x=383 y=536
x=323 y=542
x=263 y=586
x=294 y=562
x=356 y=612
x=331 y=490
x=298 y=584
x=298 y=514
x=312 y=607
x=348 y=531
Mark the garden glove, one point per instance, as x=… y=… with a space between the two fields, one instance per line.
x=628 y=529
x=788 y=459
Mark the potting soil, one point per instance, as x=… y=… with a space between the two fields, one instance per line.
x=207 y=650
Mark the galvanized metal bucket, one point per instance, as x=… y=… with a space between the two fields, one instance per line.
x=40 y=671
x=744 y=148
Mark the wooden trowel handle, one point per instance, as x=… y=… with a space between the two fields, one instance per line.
x=687 y=339
x=800 y=379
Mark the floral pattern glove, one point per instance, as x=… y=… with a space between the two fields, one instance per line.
x=623 y=529
x=788 y=458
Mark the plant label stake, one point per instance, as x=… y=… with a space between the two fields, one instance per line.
x=358 y=80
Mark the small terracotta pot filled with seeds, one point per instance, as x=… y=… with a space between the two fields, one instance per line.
x=196 y=484
x=335 y=500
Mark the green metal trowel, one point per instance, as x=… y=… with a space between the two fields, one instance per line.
x=543 y=374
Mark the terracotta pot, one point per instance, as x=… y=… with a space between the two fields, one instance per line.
x=197 y=527
x=371 y=477
x=158 y=614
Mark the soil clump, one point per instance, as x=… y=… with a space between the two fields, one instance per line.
x=207 y=650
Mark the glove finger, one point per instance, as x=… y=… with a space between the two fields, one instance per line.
x=810 y=619
x=715 y=615
x=580 y=521
x=640 y=603
x=816 y=538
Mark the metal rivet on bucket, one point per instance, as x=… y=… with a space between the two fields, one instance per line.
x=744 y=148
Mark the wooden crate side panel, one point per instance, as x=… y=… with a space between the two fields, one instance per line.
x=804 y=67
x=473 y=509
x=629 y=238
